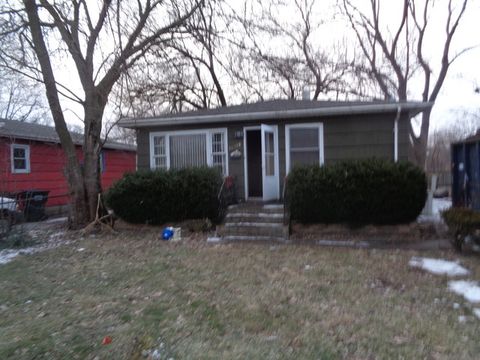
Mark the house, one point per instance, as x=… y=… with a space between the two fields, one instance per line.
x=466 y=172
x=259 y=143
x=31 y=158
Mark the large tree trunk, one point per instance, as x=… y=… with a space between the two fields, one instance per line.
x=94 y=108
x=73 y=169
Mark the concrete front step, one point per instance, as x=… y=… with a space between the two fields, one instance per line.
x=251 y=217
x=253 y=222
x=252 y=238
x=255 y=209
x=249 y=230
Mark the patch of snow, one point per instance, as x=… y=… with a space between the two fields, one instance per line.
x=476 y=312
x=439 y=266
x=440 y=204
x=437 y=206
x=8 y=255
x=56 y=220
x=468 y=289
x=214 y=239
x=308 y=267
x=456 y=306
x=80 y=249
x=53 y=241
x=462 y=319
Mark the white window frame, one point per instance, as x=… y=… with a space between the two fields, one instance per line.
x=318 y=126
x=208 y=134
x=27 y=158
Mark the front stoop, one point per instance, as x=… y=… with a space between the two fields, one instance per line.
x=254 y=222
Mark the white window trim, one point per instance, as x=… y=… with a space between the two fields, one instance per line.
x=207 y=132
x=27 y=158
x=318 y=126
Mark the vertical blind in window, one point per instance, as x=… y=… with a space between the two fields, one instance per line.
x=183 y=150
x=304 y=146
x=188 y=151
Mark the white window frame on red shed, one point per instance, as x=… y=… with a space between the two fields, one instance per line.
x=26 y=148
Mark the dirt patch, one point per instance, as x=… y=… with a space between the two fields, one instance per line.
x=386 y=234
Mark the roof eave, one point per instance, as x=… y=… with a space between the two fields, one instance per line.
x=412 y=108
x=125 y=147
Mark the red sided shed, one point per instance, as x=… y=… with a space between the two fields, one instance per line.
x=31 y=158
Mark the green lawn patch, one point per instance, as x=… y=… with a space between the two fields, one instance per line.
x=252 y=301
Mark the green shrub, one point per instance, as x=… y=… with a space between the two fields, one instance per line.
x=156 y=197
x=461 y=222
x=357 y=192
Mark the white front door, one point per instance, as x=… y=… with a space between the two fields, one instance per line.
x=270 y=171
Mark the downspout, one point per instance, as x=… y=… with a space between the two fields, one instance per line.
x=395 y=133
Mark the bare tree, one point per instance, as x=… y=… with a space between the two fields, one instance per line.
x=283 y=41
x=185 y=73
x=438 y=158
x=393 y=58
x=20 y=99
x=103 y=40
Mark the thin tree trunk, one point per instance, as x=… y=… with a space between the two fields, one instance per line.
x=420 y=142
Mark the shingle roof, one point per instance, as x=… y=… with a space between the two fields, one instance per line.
x=275 y=109
x=469 y=139
x=36 y=132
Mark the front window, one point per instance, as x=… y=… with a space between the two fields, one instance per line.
x=159 y=152
x=20 y=158
x=183 y=149
x=219 y=154
x=305 y=145
x=188 y=151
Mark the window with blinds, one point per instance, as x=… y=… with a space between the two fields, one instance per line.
x=188 y=151
x=185 y=149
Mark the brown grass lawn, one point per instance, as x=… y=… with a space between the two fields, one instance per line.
x=233 y=301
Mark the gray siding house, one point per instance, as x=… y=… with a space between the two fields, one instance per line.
x=259 y=143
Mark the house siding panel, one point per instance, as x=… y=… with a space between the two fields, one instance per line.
x=345 y=137
x=47 y=163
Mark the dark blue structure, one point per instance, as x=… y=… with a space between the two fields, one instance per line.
x=466 y=172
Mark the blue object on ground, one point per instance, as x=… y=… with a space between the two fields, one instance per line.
x=167 y=233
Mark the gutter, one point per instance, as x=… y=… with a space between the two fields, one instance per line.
x=269 y=115
x=395 y=133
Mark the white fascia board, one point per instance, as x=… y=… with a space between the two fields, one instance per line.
x=269 y=115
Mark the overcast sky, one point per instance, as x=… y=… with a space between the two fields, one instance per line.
x=458 y=93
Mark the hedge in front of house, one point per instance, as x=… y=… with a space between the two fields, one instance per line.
x=157 y=197
x=359 y=192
